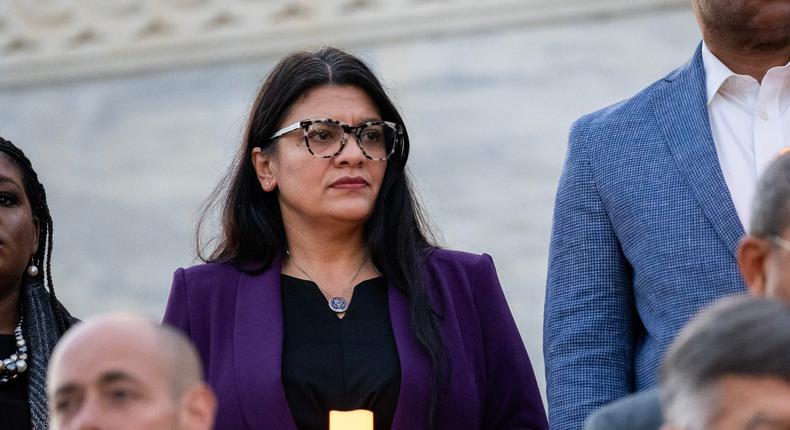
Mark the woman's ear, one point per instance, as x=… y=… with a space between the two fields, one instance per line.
x=752 y=253
x=265 y=168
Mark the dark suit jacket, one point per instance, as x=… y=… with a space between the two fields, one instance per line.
x=640 y=411
x=234 y=317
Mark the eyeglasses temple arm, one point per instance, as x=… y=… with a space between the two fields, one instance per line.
x=780 y=242
x=287 y=129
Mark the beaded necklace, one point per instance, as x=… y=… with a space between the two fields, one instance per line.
x=16 y=364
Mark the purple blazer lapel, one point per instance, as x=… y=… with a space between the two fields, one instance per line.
x=412 y=410
x=258 y=346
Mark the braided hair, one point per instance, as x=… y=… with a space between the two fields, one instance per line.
x=37 y=197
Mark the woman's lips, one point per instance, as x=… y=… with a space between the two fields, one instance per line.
x=350 y=183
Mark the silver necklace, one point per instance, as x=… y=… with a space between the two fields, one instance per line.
x=16 y=364
x=338 y=304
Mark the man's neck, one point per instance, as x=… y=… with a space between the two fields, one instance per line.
x=745 y=62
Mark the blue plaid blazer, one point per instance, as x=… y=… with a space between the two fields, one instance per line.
x=644 y=235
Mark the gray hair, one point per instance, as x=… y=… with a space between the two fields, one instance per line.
x=746 y=336
x=771 y=205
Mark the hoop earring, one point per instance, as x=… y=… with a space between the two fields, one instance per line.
x=32 y=270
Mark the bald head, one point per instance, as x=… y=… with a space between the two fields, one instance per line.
x=126 y=370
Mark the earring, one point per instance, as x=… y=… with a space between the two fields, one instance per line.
x=32 y=270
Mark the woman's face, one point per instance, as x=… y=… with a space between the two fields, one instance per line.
x=320 y=190
x=18 y=226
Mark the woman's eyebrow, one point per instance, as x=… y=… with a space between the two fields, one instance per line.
x=6 y=179
x=364 y=120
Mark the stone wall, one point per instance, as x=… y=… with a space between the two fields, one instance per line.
x=54 y=40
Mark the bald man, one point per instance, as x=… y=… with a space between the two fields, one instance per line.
x=124 y=372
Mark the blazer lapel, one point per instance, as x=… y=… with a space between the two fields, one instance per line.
x=414 y=398
x=258 y=346
x=680 y=106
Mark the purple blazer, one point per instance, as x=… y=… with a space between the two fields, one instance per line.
x=234 y=316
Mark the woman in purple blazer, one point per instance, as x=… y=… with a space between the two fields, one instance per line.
x=324 y=291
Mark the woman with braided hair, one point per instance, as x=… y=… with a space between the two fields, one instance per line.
x=31 y=317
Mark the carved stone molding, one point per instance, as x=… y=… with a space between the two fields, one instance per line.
x=44 y=41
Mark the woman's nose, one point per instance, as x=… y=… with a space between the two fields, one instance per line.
x=351 y=152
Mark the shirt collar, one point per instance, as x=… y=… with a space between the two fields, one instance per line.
x=716 y=72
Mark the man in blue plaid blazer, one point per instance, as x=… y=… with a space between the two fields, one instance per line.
x=645 y=226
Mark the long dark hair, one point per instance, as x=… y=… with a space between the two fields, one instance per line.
x=37 y=197
x=396 y=234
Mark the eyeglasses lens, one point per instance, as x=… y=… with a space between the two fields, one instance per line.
x=377 y=140
x=324 y=138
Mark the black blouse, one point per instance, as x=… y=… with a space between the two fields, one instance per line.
x=338 y=364
x=14 y=410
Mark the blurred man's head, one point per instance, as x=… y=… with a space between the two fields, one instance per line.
x=728 y=369
x=764 y=254
x=124 y=372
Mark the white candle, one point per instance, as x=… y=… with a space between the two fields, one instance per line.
x=360 y=419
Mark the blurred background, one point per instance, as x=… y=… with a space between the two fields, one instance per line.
x=131 y=110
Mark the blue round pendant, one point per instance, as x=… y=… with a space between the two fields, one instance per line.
x=338 y=304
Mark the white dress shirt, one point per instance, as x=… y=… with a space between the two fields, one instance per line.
x=750 y=122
